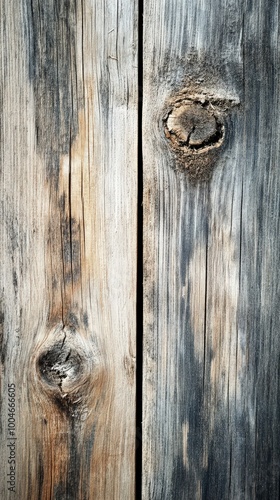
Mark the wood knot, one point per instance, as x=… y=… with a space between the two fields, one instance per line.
x=195 y=128
x=66 y=368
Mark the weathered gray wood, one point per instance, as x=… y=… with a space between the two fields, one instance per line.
x=68 y=247
x=211 y=237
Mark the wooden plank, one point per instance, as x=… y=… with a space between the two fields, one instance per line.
x=68 y=248
x=211 y=249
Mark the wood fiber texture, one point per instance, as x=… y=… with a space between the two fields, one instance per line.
x=68 y=181
x=211 y=250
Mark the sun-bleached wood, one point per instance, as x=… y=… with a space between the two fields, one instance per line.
x=211 y=250
x=68 y=246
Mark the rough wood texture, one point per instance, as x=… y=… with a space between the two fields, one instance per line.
x=211 y=236
x=68 y=248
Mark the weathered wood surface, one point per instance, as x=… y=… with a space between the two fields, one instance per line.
x=68 y=247
x=211 y=250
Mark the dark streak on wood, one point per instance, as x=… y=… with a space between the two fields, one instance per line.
x=40 y=474
x=2 y=339
x=74 y=464
x=51 y=42
x=85 y=468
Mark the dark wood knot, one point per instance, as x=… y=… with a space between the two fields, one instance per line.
x=195 y=126
x=66 y=367
x=195 y=129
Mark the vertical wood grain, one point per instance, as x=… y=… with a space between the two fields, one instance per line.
x=68 y=247
x=211 y=250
